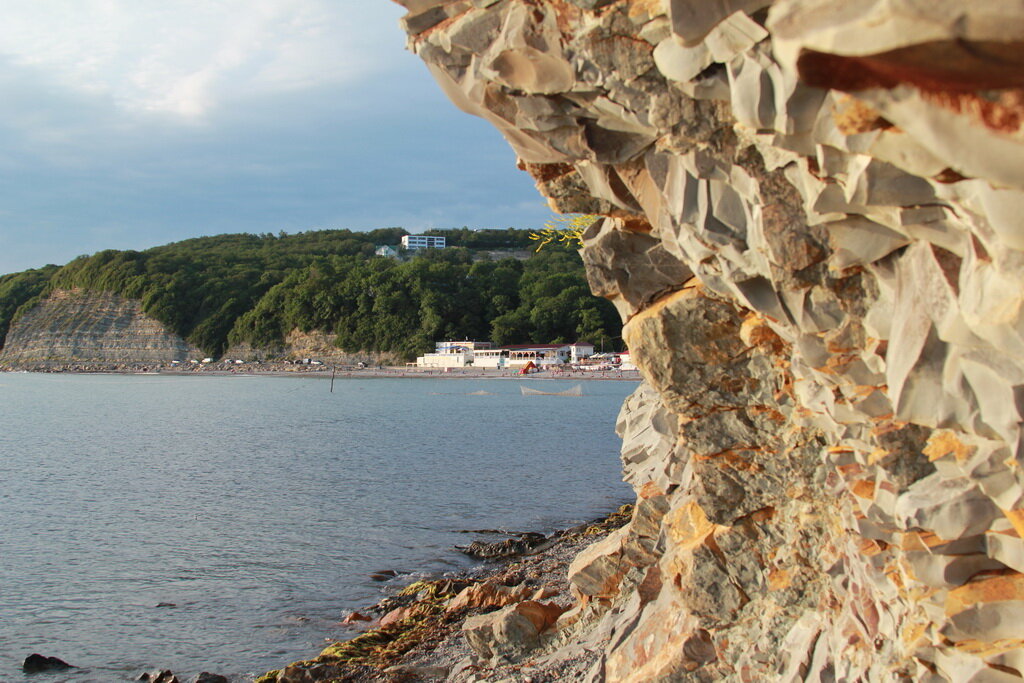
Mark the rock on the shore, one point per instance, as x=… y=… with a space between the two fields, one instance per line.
x=511 y=632
x=161 y=676
x=206 y=677
x=522 y=544
x=488 y=594
x=36 y=663
x=811 y=224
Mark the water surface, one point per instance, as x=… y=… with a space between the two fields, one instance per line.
x=257 y=507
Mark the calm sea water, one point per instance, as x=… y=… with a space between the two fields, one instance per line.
x=258 y=506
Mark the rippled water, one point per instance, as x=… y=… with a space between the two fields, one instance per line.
x=258 y=506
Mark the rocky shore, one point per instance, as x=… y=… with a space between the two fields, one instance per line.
x=811 y=229
x=505 y=620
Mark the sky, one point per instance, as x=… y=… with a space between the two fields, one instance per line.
x=126 y=124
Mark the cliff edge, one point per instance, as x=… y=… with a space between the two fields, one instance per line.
x=811 y=224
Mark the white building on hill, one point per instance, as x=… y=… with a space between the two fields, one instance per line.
x=414 y=242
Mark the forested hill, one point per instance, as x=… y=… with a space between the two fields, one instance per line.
x=229 y=289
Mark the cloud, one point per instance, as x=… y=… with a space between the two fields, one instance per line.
x=130 y=123
x=188 y=58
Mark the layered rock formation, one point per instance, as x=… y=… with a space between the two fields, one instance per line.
x=100 y=329
x=76 y=326
x=812 y=224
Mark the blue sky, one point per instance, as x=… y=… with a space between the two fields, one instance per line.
x=131 y=123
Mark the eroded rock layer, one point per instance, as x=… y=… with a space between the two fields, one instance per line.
x=73 y=326
x=812 y=226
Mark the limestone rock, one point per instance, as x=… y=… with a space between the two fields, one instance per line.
x=488 y=594
x=77 y=326
x=510 y=633
x=811 y=227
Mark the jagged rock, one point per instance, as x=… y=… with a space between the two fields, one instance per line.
x=161 y=676
x=811 y=226
x=511 y=632
x=522 y=544
x=35 y=663
x=597 y=572
x=489 y=594
x=310 y=673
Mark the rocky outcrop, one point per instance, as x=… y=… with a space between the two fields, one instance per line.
x=77 y=326
x=82 y=329
x=811 y=222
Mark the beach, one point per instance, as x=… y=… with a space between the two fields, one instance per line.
x=281 y=369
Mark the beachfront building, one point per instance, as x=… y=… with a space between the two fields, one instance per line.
x=580 y=350
x=452 y=354
x=490 y=358
x=386 y=250
x=414 y=242
x=539 y=354
x=626 y=361
x=461 y=346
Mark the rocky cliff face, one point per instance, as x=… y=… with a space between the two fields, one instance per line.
x=75 y=326
x=812 y=226
x=99 y=329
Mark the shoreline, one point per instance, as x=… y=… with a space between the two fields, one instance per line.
x=415 y=631
x=319 y=372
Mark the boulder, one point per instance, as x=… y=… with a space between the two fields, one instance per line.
x=161 y=676
x=206 y=677
x=512 y=632
x=35 y=663
x=488 y=594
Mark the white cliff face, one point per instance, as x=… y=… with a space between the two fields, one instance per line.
x=813 y=228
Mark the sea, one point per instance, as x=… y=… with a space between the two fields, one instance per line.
x=228 y=523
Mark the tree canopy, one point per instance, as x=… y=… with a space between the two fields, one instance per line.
x=230 y=289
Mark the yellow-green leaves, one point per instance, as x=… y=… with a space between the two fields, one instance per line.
x=568 y=229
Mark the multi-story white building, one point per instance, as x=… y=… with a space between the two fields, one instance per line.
x=580 y=350
x=413 y=242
